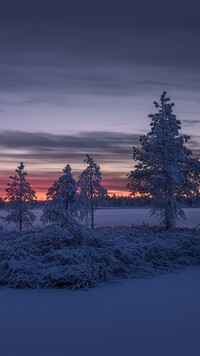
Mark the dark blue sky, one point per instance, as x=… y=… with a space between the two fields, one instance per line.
x=74 y=67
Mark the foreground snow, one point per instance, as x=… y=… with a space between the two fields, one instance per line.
x=137 y=317
x=81 y=258
x=156 y=317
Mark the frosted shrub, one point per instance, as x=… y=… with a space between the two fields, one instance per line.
x=55 y=257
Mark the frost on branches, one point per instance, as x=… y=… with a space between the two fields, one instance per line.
x=19 y=195
x=90 y=187
x=57 y=258
x=61 y=200
x=166 y=169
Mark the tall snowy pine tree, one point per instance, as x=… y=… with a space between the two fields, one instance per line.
x=166 y=168
x=90 y=187
x=19 y=195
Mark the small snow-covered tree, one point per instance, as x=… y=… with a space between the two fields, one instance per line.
x=19 y=196
x=166 y=168
x=90 y=187
x=61 y=199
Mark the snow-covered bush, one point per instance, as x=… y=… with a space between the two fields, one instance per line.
x=82 y=258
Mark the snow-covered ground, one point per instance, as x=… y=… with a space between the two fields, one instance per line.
x=125 y=217
x=137 y=216
x=156 y=317
x=136 y=317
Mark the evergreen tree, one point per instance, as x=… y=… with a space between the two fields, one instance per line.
x=19 y=195
x=166 y=168
x=90 y=188
x=61 y=199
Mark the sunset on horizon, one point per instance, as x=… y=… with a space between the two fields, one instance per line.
x=80 y=78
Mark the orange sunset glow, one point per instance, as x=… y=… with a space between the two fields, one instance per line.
x=41 y=184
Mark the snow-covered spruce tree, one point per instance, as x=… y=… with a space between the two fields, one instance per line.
x=61 y=200
x=19 y=196
x=90 y=188
x=166 y=168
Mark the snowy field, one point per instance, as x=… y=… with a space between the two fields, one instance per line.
x=156 y=316
x=125 y=217
x=137 y=216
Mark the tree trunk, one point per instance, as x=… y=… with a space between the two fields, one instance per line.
x=20 y=219
x=92 y=214
x=91 y=202
x=168 y=216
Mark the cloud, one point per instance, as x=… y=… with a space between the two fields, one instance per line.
x=107 y=47
x=105 y=146
x=45 y=154
x=191 y=122
x=108 y=13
